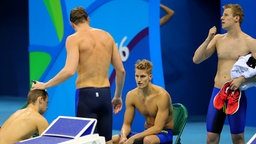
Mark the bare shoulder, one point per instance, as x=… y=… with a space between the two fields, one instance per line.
x=13 y=118
x=162 y=96
x=17 y=115
x=132 y=96
x=71 y=38
x=102 y=32
x=219 y=36
x=131 y=93
x=161 y=90
x=251 y=43
x=249 y=39
x=42 y=119
x=41 y=123
x=97 y=29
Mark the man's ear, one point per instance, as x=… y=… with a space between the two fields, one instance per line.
x=150 y=76
x=72 y=24
x=88 y=19
x=237 y=18
x=40 y=99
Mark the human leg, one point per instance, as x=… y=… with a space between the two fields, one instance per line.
x=164 y=137
x=238 y=138
x=213 y=138
x=151 y=139
x=237 y=121
x=115 y=139
x=96 y=103
x=214 y=121
x=104 y=113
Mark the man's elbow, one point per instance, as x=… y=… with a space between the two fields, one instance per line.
x=121 y=71
x=158 y=129
x=172 y=12
x=70 y=73
x=196 y=61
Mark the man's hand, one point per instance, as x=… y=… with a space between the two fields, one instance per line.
x=38 y=85
x=117 y=104
x=130 y=140
x=236 y=83
x=122 y=140
x=212 y=32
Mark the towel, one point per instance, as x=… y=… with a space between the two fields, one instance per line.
x=241 y=68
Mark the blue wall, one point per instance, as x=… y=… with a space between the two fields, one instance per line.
x=187 y=82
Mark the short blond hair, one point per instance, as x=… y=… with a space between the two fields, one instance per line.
x=144 y=65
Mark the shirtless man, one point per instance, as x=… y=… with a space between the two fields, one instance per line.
x=90 y=52
x=154 y=103
x=229 y=46
x=24 y=123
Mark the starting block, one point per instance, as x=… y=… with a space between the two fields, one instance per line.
x=68 y=130
x=252 y=140
x=88 y=139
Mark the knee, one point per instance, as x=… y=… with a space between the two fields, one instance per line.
x=147 y=140
x=238 y=138
x=213 y=138
x=115 y=139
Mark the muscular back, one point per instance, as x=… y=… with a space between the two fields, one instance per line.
x=95 y=55
x=22 y=125
x=228 y=51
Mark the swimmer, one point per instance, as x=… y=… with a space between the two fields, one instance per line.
x=24 y=123
x=154 y=103
x=228 y=46
x=90 y=53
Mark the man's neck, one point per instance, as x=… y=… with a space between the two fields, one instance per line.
x=234 y=32
x=32 y=107
x=82 y=26
x=147 y=90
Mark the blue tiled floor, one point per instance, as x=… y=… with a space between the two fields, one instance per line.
x=194 y=132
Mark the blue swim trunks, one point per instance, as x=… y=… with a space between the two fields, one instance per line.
x=215 y=118
x=96 y=103
x=165 y=136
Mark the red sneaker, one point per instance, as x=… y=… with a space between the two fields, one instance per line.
x=233 y=102
x=221 y=96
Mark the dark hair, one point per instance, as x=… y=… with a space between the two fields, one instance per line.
x=144 y=65
x=34 y=94
x=78 y=15
x=236 y=10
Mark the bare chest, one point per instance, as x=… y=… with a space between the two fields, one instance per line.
x=147 y=107
x=231 y=49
